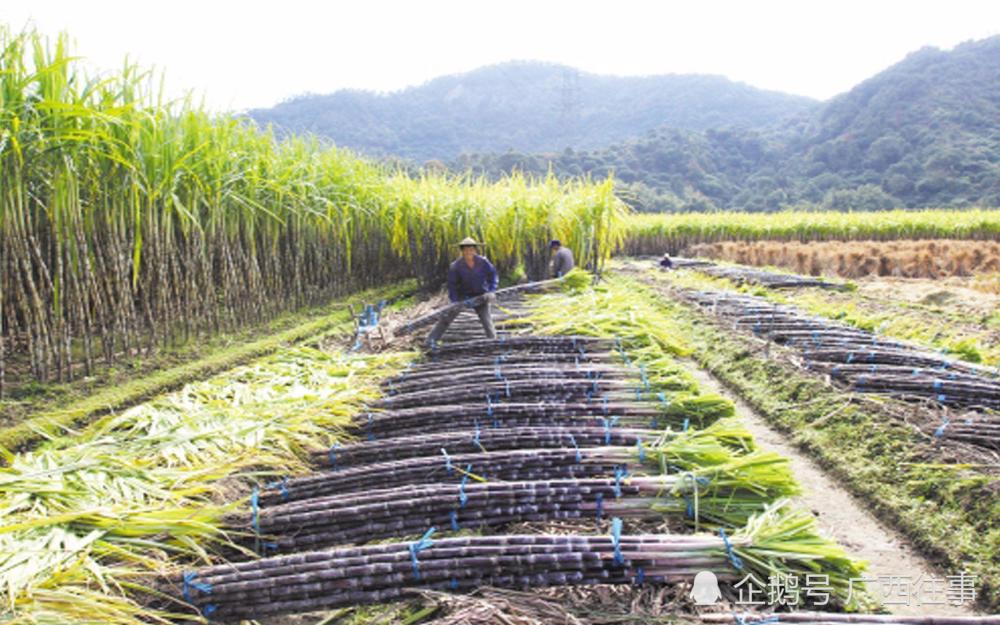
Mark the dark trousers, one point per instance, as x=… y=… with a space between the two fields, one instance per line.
x=485 y=317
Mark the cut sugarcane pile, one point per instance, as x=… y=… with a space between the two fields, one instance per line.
x=727 y=493
x=823 y=618
x=379 y=573
x=523 y=428
x=741 y=274
x=867 y=362
x=515 y=454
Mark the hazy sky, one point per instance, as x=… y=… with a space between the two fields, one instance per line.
x=241 y=54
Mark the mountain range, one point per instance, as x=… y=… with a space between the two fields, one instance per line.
x=924 y=132
x=525 y=106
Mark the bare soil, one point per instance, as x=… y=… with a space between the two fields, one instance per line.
x=951 y=292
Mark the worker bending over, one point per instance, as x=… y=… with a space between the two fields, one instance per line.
x=562 y=259
x=471 y=275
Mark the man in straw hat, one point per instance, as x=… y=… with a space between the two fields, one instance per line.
x=469 y=276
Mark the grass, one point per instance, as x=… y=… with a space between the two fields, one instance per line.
x=60 y=420
x=949 y=512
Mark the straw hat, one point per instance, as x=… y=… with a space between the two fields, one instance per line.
x=467 y=241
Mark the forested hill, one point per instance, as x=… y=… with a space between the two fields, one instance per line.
x=924 y=132
x=527 y=107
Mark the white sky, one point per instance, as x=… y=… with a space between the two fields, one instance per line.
x=242 y=54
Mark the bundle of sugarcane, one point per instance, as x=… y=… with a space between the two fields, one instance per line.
x=832 y=338
x=472 y=361
x=478 y=439
x=379 y=573
x=795 y=327
x=770 y=279
x=957 y=392
x=779 y=541
x=894 y=367
x=943 y=386
x=687 y=263
x=769 y=313
x=816 y=335
x=723 y=431
x=509 y=465
x=832 y=618
x=725 y=493
x=766 y=324
x=849 y=371
x=417 y=378
x=527 y=343
x=981 y=431
x=892 y=356
x=527 y=390
x=518 y=289
x=512 y=369
x=682 y=451
x=434 y=419
x=695 y=411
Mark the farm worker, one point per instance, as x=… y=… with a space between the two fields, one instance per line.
x=469 y=276
x=562 y=259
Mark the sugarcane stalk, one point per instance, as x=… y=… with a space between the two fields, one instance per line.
x=432 y=317
x=817 y=618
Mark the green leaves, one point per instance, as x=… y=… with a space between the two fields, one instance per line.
x=83 y=517
x=785 y=541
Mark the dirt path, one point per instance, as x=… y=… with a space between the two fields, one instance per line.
x=840 y=515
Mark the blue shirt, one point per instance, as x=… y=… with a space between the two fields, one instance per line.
x=465 y=282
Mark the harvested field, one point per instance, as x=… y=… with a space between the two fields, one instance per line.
x=859 y=259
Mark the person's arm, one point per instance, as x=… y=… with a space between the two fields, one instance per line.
x=492 y=277
x=453 y=284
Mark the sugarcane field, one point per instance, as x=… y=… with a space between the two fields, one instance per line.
x=520 y=345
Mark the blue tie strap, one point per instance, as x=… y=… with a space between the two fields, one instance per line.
x=616 y=540
x=447 y=462
x=608 y=424
x=188 y=582
x=733 y=558
x=424 y=543
x=572 y=439
x=333 y=455
x=282 y=486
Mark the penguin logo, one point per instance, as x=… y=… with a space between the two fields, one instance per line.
x=705 y=590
